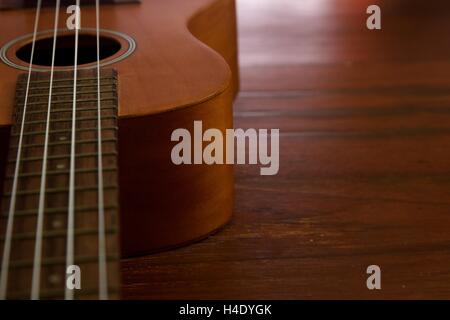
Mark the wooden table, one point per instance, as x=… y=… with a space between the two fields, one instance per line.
x=365 y=160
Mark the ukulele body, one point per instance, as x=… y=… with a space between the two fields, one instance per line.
x=183 y=69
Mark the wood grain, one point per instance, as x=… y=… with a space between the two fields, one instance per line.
x=364 y=176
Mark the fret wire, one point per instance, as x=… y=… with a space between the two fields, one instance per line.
x=63 y=94
x=57 y=110
x=59 y=190
x=64 y=130
x=68 y=101
x=57 y=293
x=58 y=172
x=56 y=211
x=62 y=143
x=60 y=261
x=57 y=234
x=68 y=86
x=33 y=81
x=68 y=120
x=63 y=156
x=37 y=110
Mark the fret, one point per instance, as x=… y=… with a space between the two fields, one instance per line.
x=57 y=233
x=55 y=294
x=56 y=94
x=62 y=143
x=56 y=87
x=115 y=128
x=43 y=96
x=80 y=79
x=54 y=229
x=60 y=261
x=71 y=101
x=110 y=124
x=59 y=172
x=63 y=156
x=55 y=211
x=68 y=120
x=57 y=110
x=59 y=190
x=64 y=110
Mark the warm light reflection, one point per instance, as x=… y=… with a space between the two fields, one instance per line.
x=279 y=43
x=305 y=6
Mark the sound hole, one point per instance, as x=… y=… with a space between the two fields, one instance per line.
x=65 y=50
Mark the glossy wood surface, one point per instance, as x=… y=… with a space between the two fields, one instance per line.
x=364 y=177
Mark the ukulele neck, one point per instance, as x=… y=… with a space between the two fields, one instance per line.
x=93 y=228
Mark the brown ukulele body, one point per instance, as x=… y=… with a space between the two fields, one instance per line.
x=183 y=69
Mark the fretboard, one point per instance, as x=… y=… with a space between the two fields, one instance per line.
x=91 y=257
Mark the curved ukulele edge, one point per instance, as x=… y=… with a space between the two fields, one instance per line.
x=224 y=40
x=220 y=42
x=165 y=206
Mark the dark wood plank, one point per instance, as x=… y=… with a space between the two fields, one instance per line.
x=364 y=177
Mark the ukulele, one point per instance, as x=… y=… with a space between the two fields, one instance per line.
x=90 y=95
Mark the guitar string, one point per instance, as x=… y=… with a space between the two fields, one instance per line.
x=69 y=294
x=102 y=270
x=12 y=204
x=35 y=286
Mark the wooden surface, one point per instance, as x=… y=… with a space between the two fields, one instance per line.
x=364 y=176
